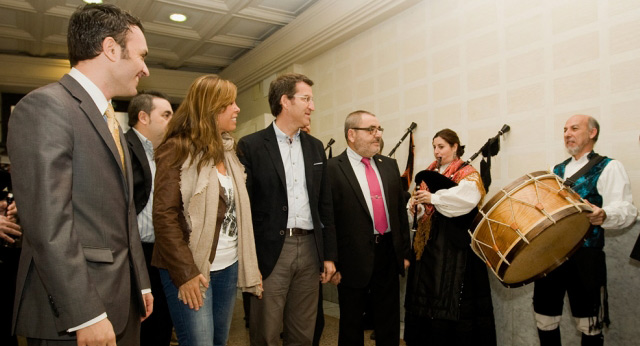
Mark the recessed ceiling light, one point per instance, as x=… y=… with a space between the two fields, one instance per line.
x=178 y=17
x=93 y=1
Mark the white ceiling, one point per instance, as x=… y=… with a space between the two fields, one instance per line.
x=216 y=33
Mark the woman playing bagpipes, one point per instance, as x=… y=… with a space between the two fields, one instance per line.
x=448 y=299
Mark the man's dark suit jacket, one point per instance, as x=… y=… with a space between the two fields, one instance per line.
x=354 y=224
x=266 y=185
x=156 y=330
x=81 y=254
x=635 y=254
x=142 y=179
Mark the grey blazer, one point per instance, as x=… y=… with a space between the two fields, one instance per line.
x=81 y=254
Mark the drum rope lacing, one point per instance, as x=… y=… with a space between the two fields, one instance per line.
x=537 y=183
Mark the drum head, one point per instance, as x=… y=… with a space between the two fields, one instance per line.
x=549 y=247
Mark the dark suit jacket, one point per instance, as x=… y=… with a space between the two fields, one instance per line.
x=635 y=253
x=266 y=185
x=142 y=179
x=81 y=244
x=354 y=224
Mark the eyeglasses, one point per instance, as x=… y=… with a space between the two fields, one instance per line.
x=305 y=98
x=372 y=129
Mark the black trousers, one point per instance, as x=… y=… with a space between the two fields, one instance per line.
x=156 y=330
x=384 y=287
x=582 y=277
x=9 y=258
x=317 y=333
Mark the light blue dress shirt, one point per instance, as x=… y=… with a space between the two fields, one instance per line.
x=145 y=220
x=297 y=196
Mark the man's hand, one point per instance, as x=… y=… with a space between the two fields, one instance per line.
x=261 y=288
x=329 y=270
x=336 y=278
x=9 y=229
x=598 y=215
x=406 y=264
x=148 y=305
x=99 y=334
x=190 y=293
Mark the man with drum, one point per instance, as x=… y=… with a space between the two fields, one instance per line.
x=604 y=184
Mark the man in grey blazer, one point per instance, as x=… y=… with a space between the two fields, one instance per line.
x=82 y=277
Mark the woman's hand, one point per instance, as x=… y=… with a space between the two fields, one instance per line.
x=411 y=206
x=259 y=295
x=422 y=196
x=12 y=212
x=190 y=292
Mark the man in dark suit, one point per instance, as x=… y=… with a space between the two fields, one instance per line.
x=372 y=231
x=635 y=253
x=82 y=278
x=292 y=216
x=149 y=114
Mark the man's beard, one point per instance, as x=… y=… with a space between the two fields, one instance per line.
x=574 y=150
x=365 y=149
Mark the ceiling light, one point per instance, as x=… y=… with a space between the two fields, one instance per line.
x=93 y=1
x=178 y=17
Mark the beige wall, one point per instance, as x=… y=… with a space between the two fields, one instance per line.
x=475 y=65
x=22 y=74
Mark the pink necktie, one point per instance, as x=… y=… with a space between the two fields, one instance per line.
x=379 y=215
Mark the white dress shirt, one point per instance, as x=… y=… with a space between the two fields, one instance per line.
x=615 y=189
x=359 y=169
x=299 y=210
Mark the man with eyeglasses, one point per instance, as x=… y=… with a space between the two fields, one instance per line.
x=292 y=216
x=372 y=231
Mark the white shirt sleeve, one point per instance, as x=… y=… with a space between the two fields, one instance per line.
x=99 y=318
x=458 y=200
x=88 y=323
x=617 y=201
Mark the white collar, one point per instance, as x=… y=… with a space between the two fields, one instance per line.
x=283 y=137
x=94 y=92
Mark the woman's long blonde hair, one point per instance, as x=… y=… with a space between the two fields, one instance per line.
x=194 y=126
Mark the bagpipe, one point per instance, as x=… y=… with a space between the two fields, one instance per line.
x=329 y=144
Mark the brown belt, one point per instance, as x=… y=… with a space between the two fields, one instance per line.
x=298 y=231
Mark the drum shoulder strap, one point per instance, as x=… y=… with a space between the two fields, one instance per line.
x=595 y=159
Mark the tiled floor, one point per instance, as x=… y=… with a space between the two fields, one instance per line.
x=239 y=335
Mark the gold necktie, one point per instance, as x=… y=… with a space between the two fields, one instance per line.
x=112 y=122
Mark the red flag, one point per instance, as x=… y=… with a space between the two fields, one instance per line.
x=408 y=171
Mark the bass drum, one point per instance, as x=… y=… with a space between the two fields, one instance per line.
x=530 y=228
